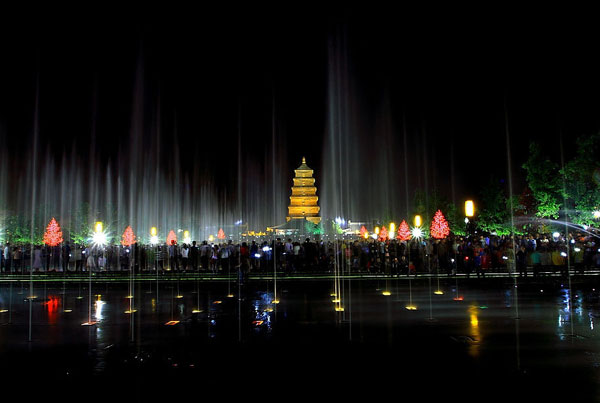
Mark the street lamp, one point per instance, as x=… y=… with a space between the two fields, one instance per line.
x=469 y=208
x=418 y=221
x=99 y=237
x=153 y=236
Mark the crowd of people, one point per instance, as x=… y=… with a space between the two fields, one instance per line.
x=536 y=255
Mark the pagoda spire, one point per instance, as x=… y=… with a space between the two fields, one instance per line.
x=303 y=201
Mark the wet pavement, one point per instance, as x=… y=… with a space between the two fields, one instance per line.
x=478 y=339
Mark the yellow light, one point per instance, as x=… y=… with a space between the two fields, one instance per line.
x=172 y=322
x=98 y=226
x=275 y=301
x=366 y=235
x=336 y=301
x=129 y=297
x=131 y=311
x=392 y=228
x=80 y=297
x=179 y=296
x=438 y=292
x=469 y=208
x=411 y=307
x=186 y=234
x=333 y=295
x=211 y=238
x=230 y=296
x=197 y=311
x=418 y=221
x=339 y=309
x=386 y=293
x=32 y=297
x=377 y=230
x=153 y=231
x=3 y=310
x=66 y=310
x=217 y=302
x=269 y=310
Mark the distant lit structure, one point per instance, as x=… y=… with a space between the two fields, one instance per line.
x=303 y=201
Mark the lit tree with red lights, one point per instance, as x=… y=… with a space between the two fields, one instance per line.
x=363 y=231
x=221 y=234
x=404 y=232
x=383 y=233
x=171 y=238
x=128 y=237
x=439 y=226
x=53 y=234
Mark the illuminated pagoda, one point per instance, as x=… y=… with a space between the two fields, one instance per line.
x=303 y=201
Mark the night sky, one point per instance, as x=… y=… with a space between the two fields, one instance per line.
x=220 y=72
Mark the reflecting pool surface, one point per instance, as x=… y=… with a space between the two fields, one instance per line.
x=461 y=340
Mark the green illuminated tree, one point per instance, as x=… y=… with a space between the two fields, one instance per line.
x=543 y=178
x=582 y=181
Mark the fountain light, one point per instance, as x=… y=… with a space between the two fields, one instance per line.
x=366 y=235
x=411 y=307
x=3 y=310
x=218 y=302
x=275 y=301
x=376 y=230
x=65 y=310
x=336 y=301
x=230 y=295
x=339 y=309
x=459 y=298
x=386 y=293
x=129 y=297
x=131 y=311
x=179 y=296
x=197 y=311
x=392 y=228
x=268 y=309
x=438 y=292
x=186 y=237
x=172 y=323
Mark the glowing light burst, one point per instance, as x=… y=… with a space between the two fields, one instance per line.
x=386 y=293
x=417 y=233
x=99 y=238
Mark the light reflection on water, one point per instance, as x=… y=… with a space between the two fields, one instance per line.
x=480 y=324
